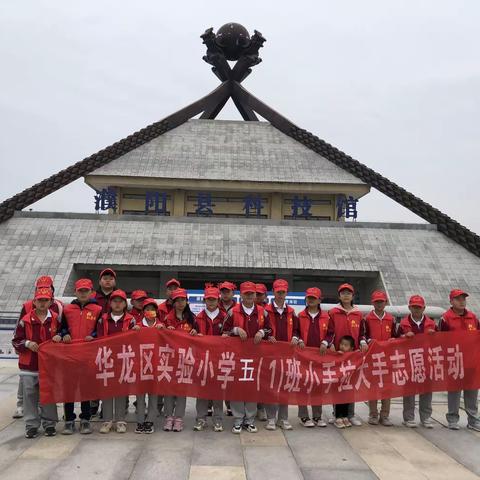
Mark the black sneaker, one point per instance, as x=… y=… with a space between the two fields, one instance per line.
x=85 y=427
x=148 y=427
x=229 y=413
x=50 y=431
x=140 y=428
x=31 y=433
x=69 y=428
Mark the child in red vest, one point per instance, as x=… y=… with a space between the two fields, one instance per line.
x=227 y=292
x=136 y=300
x=458 y=318
x=79 y=322
x=285 y=328
x=313 y=325
x=36 y=327
x=56 y=306
x=117 y=321
x=167 y=306
x=180 y=318
x=417 y=324
x=210 y=322
x=150 y=319
x=379 y=325
x=346 y=319
x=246 y=320
x=262 y=300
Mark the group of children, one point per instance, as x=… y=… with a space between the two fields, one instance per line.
x=105 y=311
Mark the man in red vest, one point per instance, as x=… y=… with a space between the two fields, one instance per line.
x=285 y=328
x=37 y=326
x=80 y=323
x=458 y=318
x=246 y=320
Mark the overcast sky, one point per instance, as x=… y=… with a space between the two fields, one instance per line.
x=395 y=84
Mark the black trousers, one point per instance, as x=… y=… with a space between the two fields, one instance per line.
x=341 y=410
x=70 y=413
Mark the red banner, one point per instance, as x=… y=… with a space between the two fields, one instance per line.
x=175 y=363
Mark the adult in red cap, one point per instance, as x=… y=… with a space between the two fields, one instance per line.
x=107 y=283
x=313 y=325
x=34 y=328
x=136 y=300
x=417 y=323
x=380 y=326
x=346 y=320
x=459 y=318
x=116 y=321
x=80 y=323
x=227 y=300
x=180 y=318
x=246 y=320
x=210 y=322
x=261 y=294
x=285 y=328
x=167 y=305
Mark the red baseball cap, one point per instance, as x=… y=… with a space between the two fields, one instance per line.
x=43 y=293
x=211 y=292
x=138 y=294
x=416 y=301
x=84 y=283
x=379 y=296
x=227 y=285
x=346 y=286
x=118 y=293
x=280 y=285
x=44 y=281
x=172 y=281
x=108 y=271
x=456 y=292
x=261 y=288
x=179 y=293
x=149 y=301
x=313 y=292
x=248 y=287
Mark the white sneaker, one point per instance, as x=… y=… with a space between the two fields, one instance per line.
x=355 y=421
x=121 y=427
x=338 y=422
x=307 y=422
x=320 y=422
x=270 y=424
x=453 y=426
x=373 y=420
x=428 y=423
x=18 y=413
x=410 y=423
x=106 y=427
x=285 y=425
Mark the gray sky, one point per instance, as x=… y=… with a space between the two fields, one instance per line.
x=394 y=84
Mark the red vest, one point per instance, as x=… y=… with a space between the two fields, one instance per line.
x=273 y=316
x=305 y=320
x=137 y=315
x=208 y=327
x=81 y=321
x=48 y=329
x=346 y=324
x=379 y=329
x=223 y=309
x=127 y=320
x=452 y=322
x=406 y=325
x=171 y=320
x=238 y=316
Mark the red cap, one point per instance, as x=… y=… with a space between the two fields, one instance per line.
x=261 y=288
x=211 y=292
x=85 y=283
x=118 y=293
x=378 y=295
x=108 y=271
x=172 y=281
x=280 y=285
x=227 y=285
x=148 y=301
x=416 y=301
x=179 y=293
x=248 y=287
x=456 y=292
x=138 y=294
x=313 y=292
x=44 y=281
x=43 y=292
x=346 y=286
